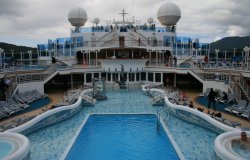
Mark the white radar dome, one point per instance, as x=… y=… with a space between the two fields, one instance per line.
x=169 y=14
x=77 y=17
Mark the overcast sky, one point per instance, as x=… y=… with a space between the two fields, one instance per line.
x=28 y=22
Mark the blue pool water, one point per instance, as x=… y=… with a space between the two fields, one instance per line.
x=241 y=149
x=122 y=137
x=5 y=149
x=51 y=142
x=194 y=141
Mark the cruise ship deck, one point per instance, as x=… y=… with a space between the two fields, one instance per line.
x=124 y=69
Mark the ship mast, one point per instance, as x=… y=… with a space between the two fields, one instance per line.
x=123 y=16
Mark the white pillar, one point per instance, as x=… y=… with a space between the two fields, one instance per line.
x=146 y=76
x=92 y=76
x=150 y=57
x=153 y=76
x=89 y=57
x=111 y=77
x=119 y=76
x=84 y=74
x=161 y=77
x=96 y=58
x=135 y=77
x=100 y=75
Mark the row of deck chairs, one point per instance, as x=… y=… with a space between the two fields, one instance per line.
x=219 y=98
x=241 y=109
x=16 y=122
x=19 y=102
x=176 y=96
x=221 y=119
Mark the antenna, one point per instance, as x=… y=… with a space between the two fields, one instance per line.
x=123 y=16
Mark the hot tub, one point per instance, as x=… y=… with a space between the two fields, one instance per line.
x=13 y=146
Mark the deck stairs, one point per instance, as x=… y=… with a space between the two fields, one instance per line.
x=239 y=86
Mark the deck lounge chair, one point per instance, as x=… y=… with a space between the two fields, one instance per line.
x=6 y=110
x=242 y=103
x=2 y=115
x=227 y=122
x=25 y=98
x=246 y=114
x=232 y=123
x=9 y=106
x=29 y=96
x=241 y=110
x=231 y=98
x=18 y=99
x=18 y=104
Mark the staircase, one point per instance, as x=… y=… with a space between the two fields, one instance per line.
x=107 y=38
x=239 y=86
x=135 y=36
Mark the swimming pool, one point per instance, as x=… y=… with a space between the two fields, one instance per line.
x=51 y=142
x=118 y=137
x=5 y=149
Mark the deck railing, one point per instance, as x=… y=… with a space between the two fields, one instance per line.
x=209 y=75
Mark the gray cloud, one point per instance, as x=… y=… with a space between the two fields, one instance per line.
x=11 y=7
x=39 y=20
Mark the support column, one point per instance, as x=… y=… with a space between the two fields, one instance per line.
x=21 y=57
x=134 y=77
x=146 y=76
x=139 y=76
x=106 y=54
x=174 y=79
x=161 y=77
x=85 y=77
x=106 y=76
x=100 y=75
x=71 y=79
x=89 y=57
x=150 y=56
x=119 y=76
x=111 y=77
x=153 y=76
x=132 y=53
x=96 y=58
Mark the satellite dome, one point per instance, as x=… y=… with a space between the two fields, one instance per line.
x=96 y=20
x=77 y=17
x=169 y=14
